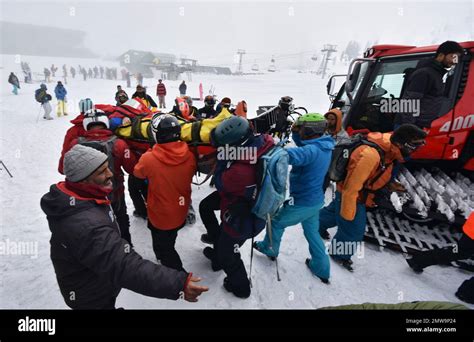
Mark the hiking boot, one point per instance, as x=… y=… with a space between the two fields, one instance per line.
x=238 y=293
x=210 y=253
x=346 y=263
x=259 y=247
x=324 y=280
x=191 y=217
x=140 y=215
x=325 y=235
x=414 y=266
x=206 y=238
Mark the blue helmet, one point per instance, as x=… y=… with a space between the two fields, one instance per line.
x=232 y=131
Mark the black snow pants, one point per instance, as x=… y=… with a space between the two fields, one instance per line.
x=138 y=190
x=207 y=209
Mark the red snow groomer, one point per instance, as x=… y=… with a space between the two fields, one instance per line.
x=439 y=178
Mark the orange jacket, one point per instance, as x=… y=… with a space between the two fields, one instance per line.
x=468 y=227
x=363 y=167
x=339 y=133
x=169 y=169
x=338 y=114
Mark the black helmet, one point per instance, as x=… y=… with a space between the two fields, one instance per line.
x=210 y=100
x=165 y=128
x=286 y=103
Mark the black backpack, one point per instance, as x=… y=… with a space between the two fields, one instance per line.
x=342 y=153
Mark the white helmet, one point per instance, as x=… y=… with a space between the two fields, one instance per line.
x=93 y=116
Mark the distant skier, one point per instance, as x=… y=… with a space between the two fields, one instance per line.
x=13 y=80
x=84 y=73
x=26 y=72
x=47 y=75
x=73 y=72
x=127 y=78
x=161 y=93
x=101 y=72
x=53 y=70
x=140 y=78
x=44 y=98
x=90 y=73
x=182 y=88
x=61 y=93
x=96 y=72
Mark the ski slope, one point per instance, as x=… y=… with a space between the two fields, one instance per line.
x=31 y=150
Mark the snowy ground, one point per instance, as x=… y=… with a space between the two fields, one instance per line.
x=31 y=151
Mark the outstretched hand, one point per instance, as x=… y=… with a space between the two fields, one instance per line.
x=193 y=291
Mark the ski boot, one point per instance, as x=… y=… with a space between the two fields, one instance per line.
x=210 y=253
x=140 y=215
x=414 y=266
x=191 y=218
x=207 y=239
x=325 y=235
x=238 y=293
x=257 y=247
x=324 y=280
x=346 y=263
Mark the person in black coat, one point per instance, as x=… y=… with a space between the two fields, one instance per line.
x=92 y=262
x=121 y=96
x=208 y=111
x=13 y=80
x=426 y=85
x=141 y=94
x=182 y=88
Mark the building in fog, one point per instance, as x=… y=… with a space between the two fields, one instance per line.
x=164 y=65
x=36 y=40
x=143 y=62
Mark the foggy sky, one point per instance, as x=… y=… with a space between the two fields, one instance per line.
x=212 y=31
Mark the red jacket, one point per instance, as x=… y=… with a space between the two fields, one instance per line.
x=160 y=90
x=169 y=169
x=135 y=108
x=72 y=133
x=123 y=157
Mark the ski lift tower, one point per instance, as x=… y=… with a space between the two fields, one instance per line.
x=241 y=53
x=327 y=50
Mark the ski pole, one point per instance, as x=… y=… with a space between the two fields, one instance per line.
x=251 y=259
x=6 y=169
x=270 y=236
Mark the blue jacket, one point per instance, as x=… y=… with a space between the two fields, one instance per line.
x=60 y=92
x=310 y=163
